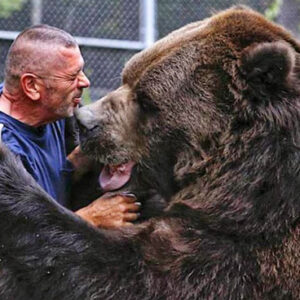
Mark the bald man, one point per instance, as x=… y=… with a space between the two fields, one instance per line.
x=44 y=81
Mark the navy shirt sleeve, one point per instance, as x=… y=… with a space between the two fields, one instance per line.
x=27 y=163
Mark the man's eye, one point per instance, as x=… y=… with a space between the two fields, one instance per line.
x=73 y=77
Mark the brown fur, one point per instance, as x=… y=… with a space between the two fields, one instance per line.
x=280 y=265
x=211 y=117
x=204 y=98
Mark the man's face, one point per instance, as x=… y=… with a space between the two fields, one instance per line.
x=64 y=83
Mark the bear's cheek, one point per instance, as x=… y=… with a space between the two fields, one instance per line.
x=118 y=140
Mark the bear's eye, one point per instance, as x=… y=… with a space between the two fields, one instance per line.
x=146 y=104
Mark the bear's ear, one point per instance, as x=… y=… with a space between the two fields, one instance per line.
x=267 y=64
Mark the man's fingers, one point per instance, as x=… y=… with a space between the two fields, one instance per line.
x=125 y=207
x=119 y=198
x=128 y=197
x=133 y=206
x=127 y=224
x=131 y=216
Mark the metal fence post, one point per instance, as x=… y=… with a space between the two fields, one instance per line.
x=36 y=12
x=148 y=22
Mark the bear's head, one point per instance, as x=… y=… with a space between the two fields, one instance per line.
x=214 y=103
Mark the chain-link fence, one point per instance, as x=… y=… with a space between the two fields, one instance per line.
x=111 y=31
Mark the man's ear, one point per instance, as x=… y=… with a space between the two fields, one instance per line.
x=31 y=86
x=267 y=65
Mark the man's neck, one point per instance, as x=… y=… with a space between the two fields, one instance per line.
x=19 y=108
x=5 y=104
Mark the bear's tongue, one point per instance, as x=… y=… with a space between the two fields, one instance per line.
x=114 y=177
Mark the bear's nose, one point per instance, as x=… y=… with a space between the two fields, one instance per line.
x=85 y=118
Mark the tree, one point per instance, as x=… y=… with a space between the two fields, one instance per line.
x=7 y=7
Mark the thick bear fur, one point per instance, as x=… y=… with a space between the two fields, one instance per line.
x=210 y=114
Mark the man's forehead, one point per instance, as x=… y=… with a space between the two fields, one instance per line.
x=68 y=52
x=49 y=51
x=68 y=56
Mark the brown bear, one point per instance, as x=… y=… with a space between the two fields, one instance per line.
x=209 y=117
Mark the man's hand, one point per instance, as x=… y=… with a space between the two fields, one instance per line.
x=111 y=211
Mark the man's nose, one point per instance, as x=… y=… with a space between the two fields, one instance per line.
x=83 y=81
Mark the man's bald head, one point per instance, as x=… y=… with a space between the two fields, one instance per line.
x=34 y=49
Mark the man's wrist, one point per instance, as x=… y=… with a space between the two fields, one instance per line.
x=86 y=214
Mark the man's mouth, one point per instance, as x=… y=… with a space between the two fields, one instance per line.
x=76 y=101
x=114 y=177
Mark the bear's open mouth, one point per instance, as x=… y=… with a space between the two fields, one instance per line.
x=113 y=177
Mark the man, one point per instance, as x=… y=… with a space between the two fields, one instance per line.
x=44 y=81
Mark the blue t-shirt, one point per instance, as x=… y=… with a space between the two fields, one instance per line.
x=42 y=151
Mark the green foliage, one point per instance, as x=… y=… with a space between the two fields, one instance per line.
x=273 y=10
x=7 y=7
x=86 y=97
